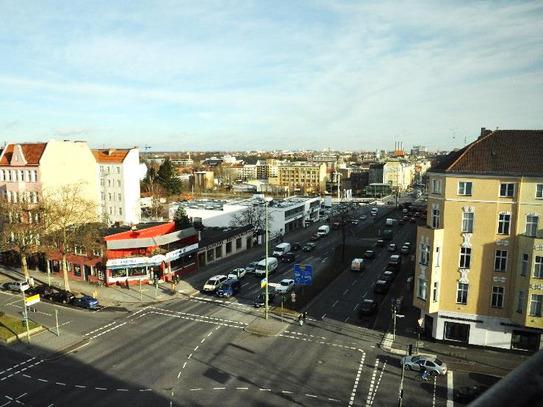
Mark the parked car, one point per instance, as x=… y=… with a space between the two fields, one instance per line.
x=40 y=289
x=433 y=366
x=314 y=237
x=354 y=221
x=288 y=258
x=285 y=285
x=387 y=275
x=296 y=246
x=309 y=247
x=18 y=286
x=392 y=247
x=369 y=254
x=237 y=273
x=381 y=287
x=251 y=267
x=62 y=296
x=261 y=299
x=229 y=288
x=85 y=302
x=368 y=307
x=213 y=283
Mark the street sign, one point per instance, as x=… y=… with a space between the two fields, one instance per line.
x=303 y=274
x=32 y=300
x=263 y=282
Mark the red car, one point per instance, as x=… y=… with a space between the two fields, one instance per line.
x=314 y=237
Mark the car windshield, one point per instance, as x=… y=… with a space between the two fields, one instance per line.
x=438 y=362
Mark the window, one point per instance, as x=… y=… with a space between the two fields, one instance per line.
x=119 y=197
x=465 y=257
x=464 y=188
x=524 y=264
x=120 y=211
x=109 y=196
x=119 y=183
x=435 y=216
x=504 y=221
x=462 y=293
x=435 y=291
x=497 y=297
x=507 y=190
x=424 y=254
x=520 y=302
x=422 y=289
x=436 y=186
x=467 y=222
x=538 y=267
x=35 y=176
x=531 y=225
x=539 y=191
x=500 y=261
x=535 y=305
x=2 y=175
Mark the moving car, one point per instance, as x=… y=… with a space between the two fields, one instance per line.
x=432 y=365
x=309 y=247
x=368 y=307
x=237 y=273
x=369 y=254
x=392 y=247
x=251 y=267
x=261 y=266
x=395 y=262
x=363 y=217
x=229 y=288
x=86 y=302
x=296 y=246
x=213 y=283
x=285 y=286
x=387 y=275
x=288 y=258
x=380 y=243
x=19 y=285
x=354 y=221
x=261 y=299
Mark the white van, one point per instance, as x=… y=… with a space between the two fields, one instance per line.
x=323 y=230
x=260 y=270
x=281 y=249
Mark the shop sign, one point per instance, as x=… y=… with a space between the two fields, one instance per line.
x=127 y=261
x=179 y=252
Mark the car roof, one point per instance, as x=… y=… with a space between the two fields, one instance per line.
x=217 y=277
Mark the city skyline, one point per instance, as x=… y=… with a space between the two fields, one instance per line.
x=262 y=76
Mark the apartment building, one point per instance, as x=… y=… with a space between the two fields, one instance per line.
x=301 y=177
x=119 y=185
x=28 y=169
x=479 y=260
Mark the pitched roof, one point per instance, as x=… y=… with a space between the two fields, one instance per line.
x=501 y=152
x=110 y=155
x=31 y=151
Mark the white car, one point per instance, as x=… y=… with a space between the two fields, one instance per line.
x=213 y=283
x=237 y=274
x=18 y=286
x=284 y=286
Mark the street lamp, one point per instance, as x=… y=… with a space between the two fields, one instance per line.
x=338 y=175
x=267 y=238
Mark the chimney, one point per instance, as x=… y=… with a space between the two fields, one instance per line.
x=484 y=132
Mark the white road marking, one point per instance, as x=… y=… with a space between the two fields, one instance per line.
x=80 y=386
x=60 y=383
x=346 y=291
x=356 y=306
x=450 y=388
x=335 y=303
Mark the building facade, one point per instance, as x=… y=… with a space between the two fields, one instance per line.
x=302 y=177
x=119 y=185
x=479 y=260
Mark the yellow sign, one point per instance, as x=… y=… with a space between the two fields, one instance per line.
x=32 y=299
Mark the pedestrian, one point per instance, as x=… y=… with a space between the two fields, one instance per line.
x=304 y=315
x=300 y=320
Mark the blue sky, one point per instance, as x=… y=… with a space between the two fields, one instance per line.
x=267 y=75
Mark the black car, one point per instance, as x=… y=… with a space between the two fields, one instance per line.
x=261 y=299
x=381 y=287
x=380 y=243
x=41 y=289
x=296 y=246
x=309 y=247
x=369 y=254
x=64 y=297
x=368 y=307
x=288 y=257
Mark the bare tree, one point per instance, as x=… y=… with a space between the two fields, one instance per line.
x=67 y=219
x=21 y=228
x=251 y=215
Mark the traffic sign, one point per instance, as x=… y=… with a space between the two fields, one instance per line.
x=303 y=274
x=32 y=300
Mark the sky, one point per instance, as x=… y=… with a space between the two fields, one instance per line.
x=269 y=74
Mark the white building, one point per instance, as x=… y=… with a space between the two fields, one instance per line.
x=119 y=185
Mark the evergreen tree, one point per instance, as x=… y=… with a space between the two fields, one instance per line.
x=168 y=178
x=182 y=221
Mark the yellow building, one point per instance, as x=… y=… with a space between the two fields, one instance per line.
x=479 y=260
x=301 y=177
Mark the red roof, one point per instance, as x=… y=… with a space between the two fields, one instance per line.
x=501 y=152
x=110 y=155
x=32 y=153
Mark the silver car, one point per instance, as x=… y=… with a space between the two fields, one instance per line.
x=432 y=365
